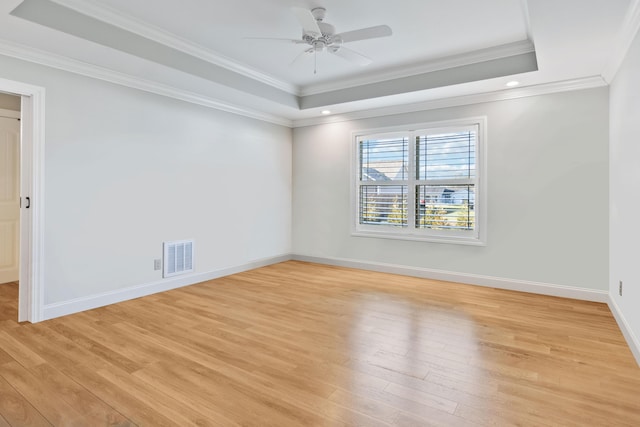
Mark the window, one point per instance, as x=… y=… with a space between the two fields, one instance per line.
x=423 y=184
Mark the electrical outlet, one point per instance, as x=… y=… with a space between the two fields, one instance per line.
x=620 y=288
x=157 y=264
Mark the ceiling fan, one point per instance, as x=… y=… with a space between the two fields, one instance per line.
x=321 y=36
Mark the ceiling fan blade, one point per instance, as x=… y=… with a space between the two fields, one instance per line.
x=294 y=41
x=365 y=33
x=307 y=21
x=300 y=55
x=351 y=55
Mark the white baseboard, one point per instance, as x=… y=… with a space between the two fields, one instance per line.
x=77 y=305
x=470 y=279
x=632 y=339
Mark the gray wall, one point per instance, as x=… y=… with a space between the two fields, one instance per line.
x=625 y=190
x=127 y=170
x=547 y=193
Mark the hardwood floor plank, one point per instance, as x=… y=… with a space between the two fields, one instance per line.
x=94 y=411
x=19 y=352
x=16 y=409
x=407 y=404
x=499 y=416
x=137 y=352
x=128 y=404
x=237 y=400
x=404 y=419
x=153 y=398
x=102 y=351
x=314 y=396
x=193 y=338
x=44 y=399
x=301 y=344
x=373 y=408
x=5 y=357
x=8 y=302
x=55 y=348
x=584 y=406
x=428 y=399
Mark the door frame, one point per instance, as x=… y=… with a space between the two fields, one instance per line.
x=32 y=137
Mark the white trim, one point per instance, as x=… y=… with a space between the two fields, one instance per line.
x=482 y=55
x=563 y=291
x=501 y=95
x=626 y=35
x=144 y=29
x=33 y=111
x=32 y=136
x=632 y=339
x=394 y=235
x=112 y=297
x=10 y=114
x=37 y=56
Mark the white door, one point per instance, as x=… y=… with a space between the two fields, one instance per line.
x=9 y=199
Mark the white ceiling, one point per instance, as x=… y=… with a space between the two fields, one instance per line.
x=201 y=48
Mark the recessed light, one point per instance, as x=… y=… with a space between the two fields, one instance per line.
x=325 y=112
x=513 y=83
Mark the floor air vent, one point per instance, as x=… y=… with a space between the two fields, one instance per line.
x=178 y=257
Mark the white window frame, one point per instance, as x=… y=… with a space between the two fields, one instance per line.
x=477 y=237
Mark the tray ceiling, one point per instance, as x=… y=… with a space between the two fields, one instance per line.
x=437 y=50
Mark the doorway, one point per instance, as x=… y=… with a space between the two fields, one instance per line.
x=9 y=205
x=28 y=187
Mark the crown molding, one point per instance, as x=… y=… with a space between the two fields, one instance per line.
x=501 y=95
x=481 y=55
x=625 y=38
x=144 y=29
x=48 y=59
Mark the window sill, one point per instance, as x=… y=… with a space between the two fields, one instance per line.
x=467 y=241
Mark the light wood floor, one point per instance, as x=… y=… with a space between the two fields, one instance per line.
x=299 y=344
